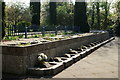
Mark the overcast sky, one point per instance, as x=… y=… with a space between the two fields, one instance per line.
x=27 y=1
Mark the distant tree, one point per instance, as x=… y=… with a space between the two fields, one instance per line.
x=80 y=17
x=65 y=14
x=52 y=11
x=105 y=16
x=44 y=14
x=3 y=19
x=16 y=13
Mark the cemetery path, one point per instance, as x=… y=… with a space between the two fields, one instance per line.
x=102 y=63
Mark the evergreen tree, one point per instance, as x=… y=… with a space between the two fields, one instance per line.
x=3 y=19
x=35 y=10
x=98 y=16
x=93 y=14
x=52 y=11
x=80 y=17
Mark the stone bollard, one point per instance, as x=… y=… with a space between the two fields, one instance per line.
x=43 y=31
x=26 y=32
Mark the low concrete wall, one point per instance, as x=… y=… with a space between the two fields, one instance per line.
x=16 y=60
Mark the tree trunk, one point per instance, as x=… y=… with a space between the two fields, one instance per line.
x=118 y=19
x=80 y=18
x=35 y=10
x=106 y=15
x=52 y=11
x=3 y=21
x=98 y=16
x=93 y=14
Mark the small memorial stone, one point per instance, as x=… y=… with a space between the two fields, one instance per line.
x=51 y=60
x=67 y=55
x=73 y=52
x=33 y=42
x=92 y=44
x=80 y=49
x=57 y=59
x=23 y=43
x=88 y=46
x=84 y=47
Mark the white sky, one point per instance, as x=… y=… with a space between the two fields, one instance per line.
x=27 y=1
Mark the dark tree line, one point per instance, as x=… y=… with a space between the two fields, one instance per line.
x=80 y=17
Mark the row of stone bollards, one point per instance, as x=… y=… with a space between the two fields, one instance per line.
x=57 y=64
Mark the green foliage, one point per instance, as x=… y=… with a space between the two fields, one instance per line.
x=52 y=35
x=10 y=38
x=17 y=12
x=65 y=14
x=23 y=23
x=13 y=37
x=108 y=15
x=24 y=44
x=36 y=36
x=20 y=36
x=44 y=19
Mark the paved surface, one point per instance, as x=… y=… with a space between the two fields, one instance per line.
x=0 y=63
x=103 y=63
